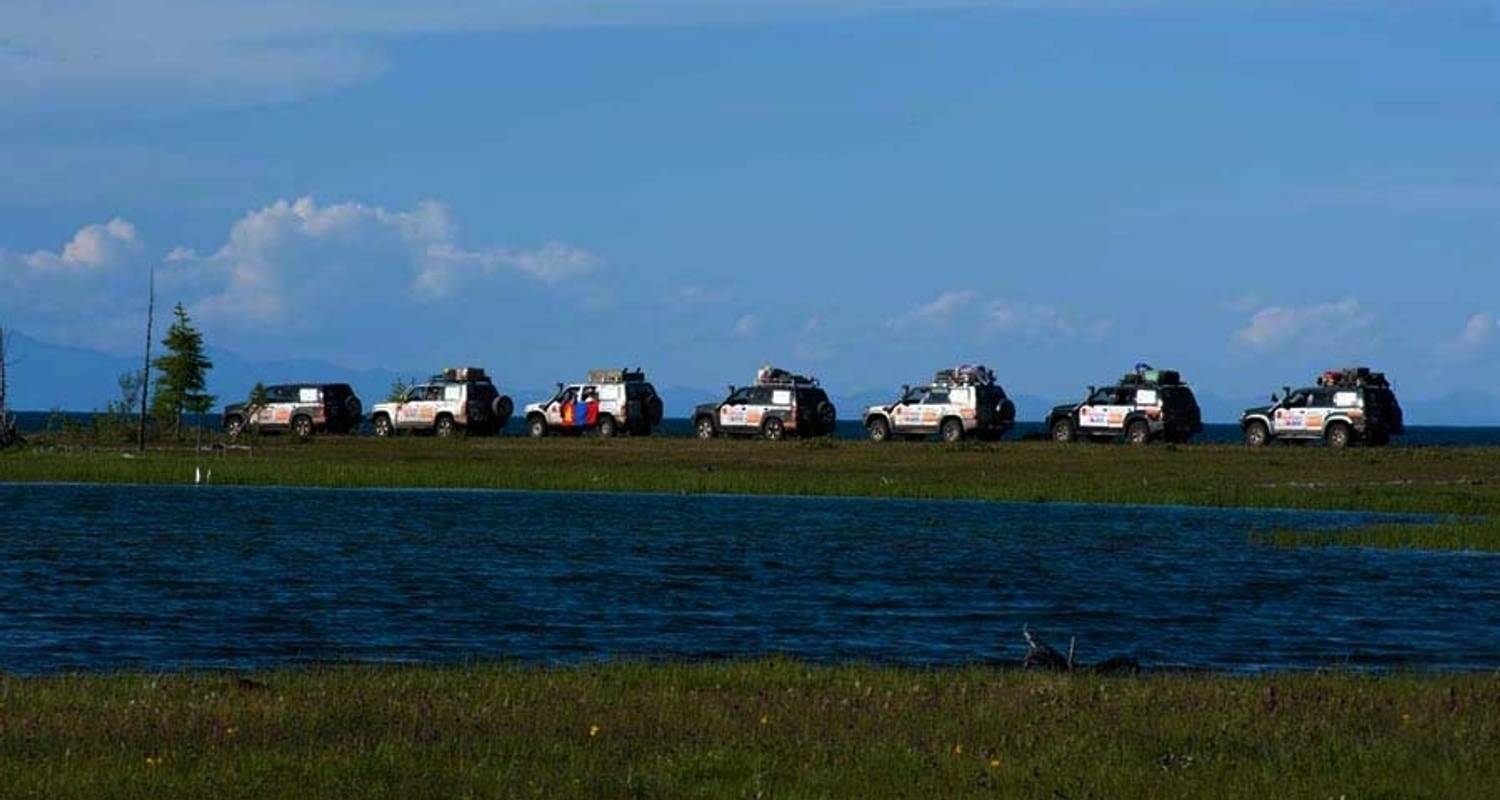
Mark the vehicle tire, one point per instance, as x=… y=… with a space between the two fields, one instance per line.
x=1257 y=434
x=951 y=431
x=502 y=408
x=606 y=427
x=536 y=426
x=1138 y=432
x=444 y=427
x=1062 y=430
x=383 y=427
x=880 y=430
x=704 y=427
x=774 y=429
x=234 y=426
x=302 y=426
x=1339 y=435
x=827 y=416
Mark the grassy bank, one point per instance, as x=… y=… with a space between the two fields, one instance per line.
x=765 y=729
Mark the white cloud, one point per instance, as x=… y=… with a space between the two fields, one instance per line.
x=289 y=269
x=79 y=292
x=1272 y=327
x=935 y=313
x=1040 y=320
x=1479 y=330
x=747 y=325
x=123 y=52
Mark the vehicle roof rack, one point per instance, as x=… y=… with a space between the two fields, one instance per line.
x=620 y=375
x=965 y=375
x=775 y=376
x=1146 y=374
x=460 y=375
x=1352 y=377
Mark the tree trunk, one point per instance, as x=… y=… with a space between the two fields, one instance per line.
x=146 y=372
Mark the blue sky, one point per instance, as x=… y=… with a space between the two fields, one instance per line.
x=1249 y=191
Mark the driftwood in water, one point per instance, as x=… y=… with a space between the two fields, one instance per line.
x=1040 y=655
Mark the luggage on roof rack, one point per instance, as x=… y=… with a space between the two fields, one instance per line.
x=461 y=374
x=1352 y=376
x=1145 y=373
x=965 y=375
x=616 y=375
x=775 y=375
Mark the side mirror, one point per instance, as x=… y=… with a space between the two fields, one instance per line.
x=559 y=385
x=1274 y=398
x=1091 y=390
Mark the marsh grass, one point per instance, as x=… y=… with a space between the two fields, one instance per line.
x=765 y=728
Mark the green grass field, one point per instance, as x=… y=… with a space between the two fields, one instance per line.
x=758 y=729
x=1461 y=485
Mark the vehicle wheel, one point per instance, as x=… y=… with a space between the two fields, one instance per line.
x=383 y=427
x=1339 y=435
x=1138 y=432
x=1062 y=430
x=774 y=429
x=536 y=427
x=606 y=427
x=704 y=428
x=1257 y=435
x=827 y=416
x=234 y=427
x=879 y=429
x=445 y=427
x=502 y=408
x=952 y=431
x=303 y=427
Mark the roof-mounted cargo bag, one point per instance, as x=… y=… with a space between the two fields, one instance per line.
x=616 y=375
x=965 y=375
x=769 y=375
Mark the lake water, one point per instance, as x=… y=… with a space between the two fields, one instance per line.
x=107 y=577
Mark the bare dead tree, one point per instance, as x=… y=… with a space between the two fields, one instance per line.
x=8 y=433
x=146 y=371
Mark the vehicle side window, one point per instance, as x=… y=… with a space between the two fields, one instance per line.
x=914 y=396
x=760 y=396
x=1297 y=399
x=1102 y=397
x=740 y=396
x=937 y=397
x=434 y=393
x=417 y=393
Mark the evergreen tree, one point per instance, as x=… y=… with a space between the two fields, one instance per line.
x=182 y=374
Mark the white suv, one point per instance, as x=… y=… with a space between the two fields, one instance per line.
x=610 y=401
x=462 y=398
x=959 y=402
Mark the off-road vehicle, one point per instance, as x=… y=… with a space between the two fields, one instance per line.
x=777 y=405
x=1147 y=404
x=460 y=399
x=1344 y=407
x=609 y=402
x=959 y=402
x=301 y=408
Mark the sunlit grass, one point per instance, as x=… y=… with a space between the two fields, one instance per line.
x=773 y=728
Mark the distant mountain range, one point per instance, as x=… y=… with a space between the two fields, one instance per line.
x=46 y=376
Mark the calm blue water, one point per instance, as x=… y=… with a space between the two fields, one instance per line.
x=105 y=577
x=1416 y=435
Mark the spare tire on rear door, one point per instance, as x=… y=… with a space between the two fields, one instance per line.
x=502 y=407
x=654 y=409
